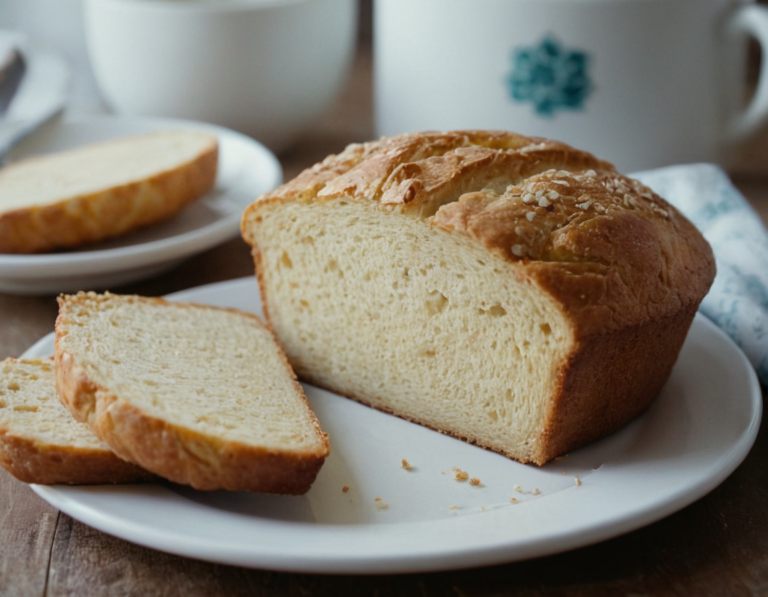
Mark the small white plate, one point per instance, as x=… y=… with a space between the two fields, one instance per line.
x=246 y=170
x=395 y=520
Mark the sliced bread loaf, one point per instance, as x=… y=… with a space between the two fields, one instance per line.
x=40 y=442
x=512 y=291
x=98 y=191
x=199 y=395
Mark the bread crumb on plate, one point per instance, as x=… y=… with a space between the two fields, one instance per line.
x=460 y=475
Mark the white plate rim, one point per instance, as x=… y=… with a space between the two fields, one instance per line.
x=96 y=260
x=426 y=546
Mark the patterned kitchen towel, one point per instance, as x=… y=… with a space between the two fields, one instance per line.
x=738 y=299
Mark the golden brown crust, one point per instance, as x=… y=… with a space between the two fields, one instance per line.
x=417 y=173
x=610 y=249
x=613 y=252
x=112 y=212
x=176 y=453
x=49 y=465
x=610 y=379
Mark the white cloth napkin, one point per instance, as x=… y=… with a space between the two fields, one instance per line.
x=738 y=299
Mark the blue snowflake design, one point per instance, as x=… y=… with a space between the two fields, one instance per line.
x=550 y=77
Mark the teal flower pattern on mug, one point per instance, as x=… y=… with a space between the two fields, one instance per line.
x=550 y=77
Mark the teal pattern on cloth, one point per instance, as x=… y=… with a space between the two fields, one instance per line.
x=738 y=299
x=550 y=76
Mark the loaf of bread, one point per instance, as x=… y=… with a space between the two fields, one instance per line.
x=41 y=443
x=199 y=395
x=66 y=199
x=514 y=292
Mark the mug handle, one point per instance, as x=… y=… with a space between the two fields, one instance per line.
x=752 y=21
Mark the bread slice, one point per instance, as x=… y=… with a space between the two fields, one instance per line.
x=102 y=190
x=199 y=395
x=511 y=291
x=41 y=443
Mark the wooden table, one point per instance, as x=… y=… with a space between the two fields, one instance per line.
x=717 y=546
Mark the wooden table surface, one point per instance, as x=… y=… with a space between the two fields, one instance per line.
x=717 y=546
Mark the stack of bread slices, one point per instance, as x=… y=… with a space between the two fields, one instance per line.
x=141 y=388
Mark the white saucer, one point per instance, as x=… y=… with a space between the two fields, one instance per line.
x=246 y=170
x=391 y=519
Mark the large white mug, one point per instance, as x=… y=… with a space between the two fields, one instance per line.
x=266 y=68
x=641 y=83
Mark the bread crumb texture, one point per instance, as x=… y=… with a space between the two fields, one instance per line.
x=198 y=394
x=511 y=291
x=28 y=403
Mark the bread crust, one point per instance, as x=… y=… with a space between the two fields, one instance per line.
x=625 y=257
x=627 y=270
x=175 y=452
x=51 y=465
x=110 y=212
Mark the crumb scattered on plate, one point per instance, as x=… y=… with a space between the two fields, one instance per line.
x=460 y=475
x=406 y=465
x=535 y=491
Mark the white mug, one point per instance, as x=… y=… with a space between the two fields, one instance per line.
x=266 y=68
x=641 y=83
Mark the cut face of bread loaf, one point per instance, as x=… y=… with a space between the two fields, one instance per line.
x=199 y=395
x=40 y=442
x=91 y=193
x=514 y=292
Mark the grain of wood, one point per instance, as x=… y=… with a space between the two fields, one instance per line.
x=88 y=563
x=27 y=526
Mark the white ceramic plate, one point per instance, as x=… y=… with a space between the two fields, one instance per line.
x=246 y=169
x=397 y=520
